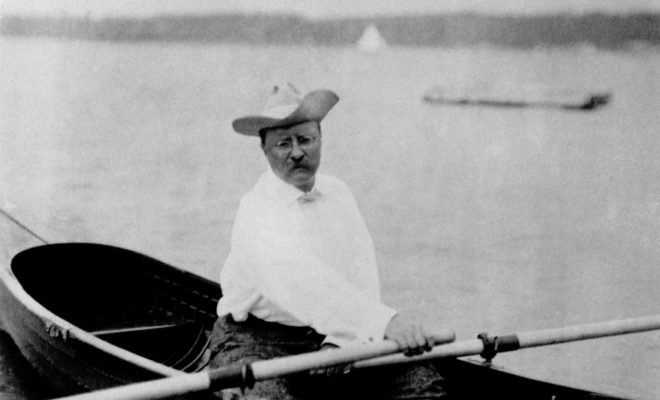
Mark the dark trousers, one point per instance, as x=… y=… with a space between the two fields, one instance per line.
x=255 y=339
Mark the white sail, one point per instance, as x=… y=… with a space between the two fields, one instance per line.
x=371 y=40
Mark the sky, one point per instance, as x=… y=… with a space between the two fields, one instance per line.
x=318 y=8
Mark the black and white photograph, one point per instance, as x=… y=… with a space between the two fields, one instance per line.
x=329 y=199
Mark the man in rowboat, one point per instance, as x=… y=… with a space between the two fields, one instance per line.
x=301 y=274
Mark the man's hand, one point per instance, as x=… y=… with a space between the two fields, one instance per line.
x=331 y=371
x=409 y=334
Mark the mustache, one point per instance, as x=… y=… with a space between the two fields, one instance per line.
x=298 y=164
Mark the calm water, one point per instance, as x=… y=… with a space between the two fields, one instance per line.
x=484 y=219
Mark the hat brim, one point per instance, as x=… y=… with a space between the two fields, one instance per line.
x=314 y=107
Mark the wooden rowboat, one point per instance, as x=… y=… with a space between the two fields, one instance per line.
x=91 y=316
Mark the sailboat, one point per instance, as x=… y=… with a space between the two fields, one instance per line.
x=371 y=41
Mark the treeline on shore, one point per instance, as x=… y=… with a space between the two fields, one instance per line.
x=600 y=30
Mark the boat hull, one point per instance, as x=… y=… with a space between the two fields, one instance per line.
x=69 y=365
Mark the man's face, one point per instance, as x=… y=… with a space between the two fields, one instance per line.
x=294 y=153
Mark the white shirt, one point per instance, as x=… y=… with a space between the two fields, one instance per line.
x=304 y=263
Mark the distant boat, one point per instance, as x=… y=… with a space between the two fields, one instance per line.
x=371 y=41
x=519 y=96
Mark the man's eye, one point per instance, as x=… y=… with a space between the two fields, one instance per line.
x=283 y=144
x=303 y=140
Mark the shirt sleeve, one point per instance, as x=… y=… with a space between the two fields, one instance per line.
x=282 y=266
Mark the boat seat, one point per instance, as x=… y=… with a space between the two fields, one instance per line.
x=182 y=346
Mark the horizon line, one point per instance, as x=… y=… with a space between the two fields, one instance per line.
x=90 y=15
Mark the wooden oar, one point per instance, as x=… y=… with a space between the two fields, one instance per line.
x=488 y=346
x=246 y=374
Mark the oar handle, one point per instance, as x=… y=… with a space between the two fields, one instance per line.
x=268 y=369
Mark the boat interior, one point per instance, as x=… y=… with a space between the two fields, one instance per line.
x=125 y=298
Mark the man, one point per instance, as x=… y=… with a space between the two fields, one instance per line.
x=301 y=274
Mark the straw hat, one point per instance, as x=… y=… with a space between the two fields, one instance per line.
x=287 y=107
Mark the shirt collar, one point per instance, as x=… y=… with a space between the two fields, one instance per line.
x=289 y=193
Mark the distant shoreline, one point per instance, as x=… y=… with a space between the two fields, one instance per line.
x=445 y=30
